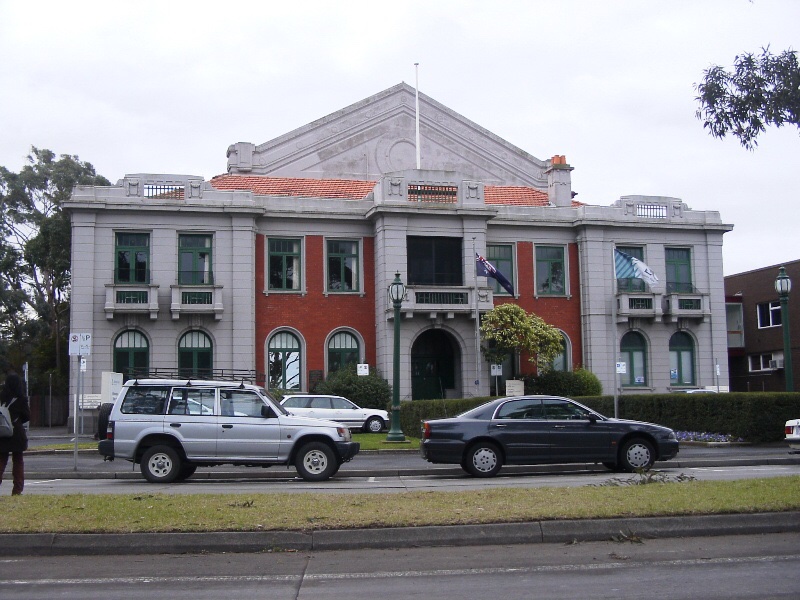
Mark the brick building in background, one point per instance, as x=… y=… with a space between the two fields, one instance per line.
x=281 y=265
x=755 y=332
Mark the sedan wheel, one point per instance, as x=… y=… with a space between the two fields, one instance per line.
x=483 y=460
x=637 y=454
x=374 y=425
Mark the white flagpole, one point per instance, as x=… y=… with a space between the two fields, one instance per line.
x=615 y=353
x=416 y=101
x=477 y=323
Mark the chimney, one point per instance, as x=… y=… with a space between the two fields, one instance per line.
x=559 y=181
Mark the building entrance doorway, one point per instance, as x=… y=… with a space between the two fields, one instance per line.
x=435 y=360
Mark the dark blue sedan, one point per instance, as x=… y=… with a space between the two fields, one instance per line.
x=529 y=430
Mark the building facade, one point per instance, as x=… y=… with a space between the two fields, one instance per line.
x=280 y=266
x=755 y=329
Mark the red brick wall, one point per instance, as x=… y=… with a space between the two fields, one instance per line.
x=313 y=314
x=561 y=312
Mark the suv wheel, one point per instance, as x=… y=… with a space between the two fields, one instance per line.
x=161 y=464
x=316 y=462
x=374 y=425
x=102 y=419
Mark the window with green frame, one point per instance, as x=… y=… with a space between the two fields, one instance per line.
x=561 y=362
x=631 y=284
x=342 y=351
x=502 y=257
x=195 y=355
x=681 y=359
x=284 y=362
x=550 y=272
x=343 y=266
x=679 y=270
x=131 y=355
x=284 y=264
x=132 y=263
x=633 y=352
x=194 y=259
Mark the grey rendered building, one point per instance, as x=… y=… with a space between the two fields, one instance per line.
x=280 y=266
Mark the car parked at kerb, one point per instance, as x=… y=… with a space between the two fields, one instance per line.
x=529 y=430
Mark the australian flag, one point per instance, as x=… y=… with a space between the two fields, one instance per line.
x=486 y=269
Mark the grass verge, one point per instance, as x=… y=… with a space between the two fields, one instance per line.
x=159 y=512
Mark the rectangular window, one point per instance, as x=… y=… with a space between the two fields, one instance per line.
x=766 y=362
x=769 y=314
x=502 y=257
x=550 y=272
x=284 y=264
x=631 y=284
x=679 y=270
x=734 y=315
x=132 y=264
x=194 y=260
x=435 y=261
x=343 y=266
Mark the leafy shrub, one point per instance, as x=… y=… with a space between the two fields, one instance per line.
x=564 y=383
x=368 y=391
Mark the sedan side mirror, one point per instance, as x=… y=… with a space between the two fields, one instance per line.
x=592 y=418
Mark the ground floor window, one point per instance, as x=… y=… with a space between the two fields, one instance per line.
x=195 y=355
x=681 y=359
x=342 y=351
x=633 y=352
x=131 y=355
x=284 y=361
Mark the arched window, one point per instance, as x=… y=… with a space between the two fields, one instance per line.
x=195 y=355
x=562 y=362
x=633 y=349
x=284 y=362
x=681 y=359
x=131 y=355
x=342 y=350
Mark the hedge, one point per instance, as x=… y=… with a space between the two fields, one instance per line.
x=754 y=417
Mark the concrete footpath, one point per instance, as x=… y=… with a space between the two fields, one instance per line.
x=41 y=464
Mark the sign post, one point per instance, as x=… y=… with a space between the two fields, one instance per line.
x=80 y=345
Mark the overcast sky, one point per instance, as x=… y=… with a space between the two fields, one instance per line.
x=166 y=87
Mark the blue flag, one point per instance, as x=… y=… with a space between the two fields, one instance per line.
x=486 y=269
x=627 y=266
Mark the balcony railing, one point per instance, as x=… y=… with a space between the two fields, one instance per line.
x=127 y=298
x=445 y=301
x=196 y=299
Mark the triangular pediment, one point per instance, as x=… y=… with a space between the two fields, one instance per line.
x=377 y=136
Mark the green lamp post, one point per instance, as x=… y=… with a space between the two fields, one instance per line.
x=397 y=292
x=783 y=285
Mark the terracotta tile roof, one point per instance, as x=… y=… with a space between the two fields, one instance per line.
x=356 y=189
x=288 y=186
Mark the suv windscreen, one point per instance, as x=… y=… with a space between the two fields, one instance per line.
x=145 y=400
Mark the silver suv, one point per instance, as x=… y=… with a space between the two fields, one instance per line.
x=171 y=427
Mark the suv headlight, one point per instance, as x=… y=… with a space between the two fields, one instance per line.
x=344 y=433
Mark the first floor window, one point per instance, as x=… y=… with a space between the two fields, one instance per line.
x=194 y=260
x=284 y=361
x=195 y=355
x=342 y=351
x=769 y=314
x=633 y=350
x=631 y=284
x=502 y=257
x=132 y=263
x=681 y=359
x=131 y=355
x=284 y=264
x=342 y=266
x=679 y=270
x=550 y=272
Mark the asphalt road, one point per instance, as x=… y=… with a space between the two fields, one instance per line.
x=738 y=567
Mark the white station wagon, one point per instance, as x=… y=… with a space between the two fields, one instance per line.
x=336 y=408
x=792 y=430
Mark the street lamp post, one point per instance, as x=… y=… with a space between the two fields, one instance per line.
x=397 y=292
x=783 y=285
